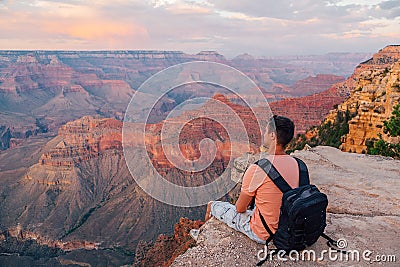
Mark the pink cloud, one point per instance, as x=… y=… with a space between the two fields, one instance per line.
x=95 y=30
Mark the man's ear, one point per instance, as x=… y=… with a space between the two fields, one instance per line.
x=273 y=135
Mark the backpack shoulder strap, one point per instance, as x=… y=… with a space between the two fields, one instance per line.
x=271 y=235
x=303 y=173
x=273 y=174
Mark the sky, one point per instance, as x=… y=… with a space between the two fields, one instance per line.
x=231 y=27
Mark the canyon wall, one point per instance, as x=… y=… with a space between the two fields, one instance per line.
x=374 y=90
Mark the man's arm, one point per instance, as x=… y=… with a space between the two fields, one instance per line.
x=251 y=181
x=243 y=202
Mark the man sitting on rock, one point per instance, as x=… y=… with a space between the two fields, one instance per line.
x=256 y=184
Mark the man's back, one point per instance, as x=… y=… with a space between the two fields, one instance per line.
x=268 y=197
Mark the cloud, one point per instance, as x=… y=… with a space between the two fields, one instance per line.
x=94 y=30
x=231 y=27
x=283 y=9
x=188 y=9
x=66 y=25
x=389 y=9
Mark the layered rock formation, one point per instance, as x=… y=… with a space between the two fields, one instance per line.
x=83 y=139
x=362 y=210
x=320 y=94
x=53 y=93
x=374 y=91
x=313 y=85
x=200 y=127
x=80 y=193
x=309 y=111
x=21 y=235
x=59 y=86
x=80 y=189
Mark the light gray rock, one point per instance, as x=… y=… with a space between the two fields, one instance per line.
x=355 y=183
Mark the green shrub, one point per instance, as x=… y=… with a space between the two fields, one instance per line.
x=329 y=134
x=386 y=71
x=392 y=128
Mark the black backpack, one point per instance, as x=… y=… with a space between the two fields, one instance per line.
x=302 y=218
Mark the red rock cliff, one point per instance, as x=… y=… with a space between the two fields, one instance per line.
x=83 y=139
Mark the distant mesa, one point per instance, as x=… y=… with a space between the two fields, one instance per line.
x=208 y=53
x=211 y=56
x=245 y=56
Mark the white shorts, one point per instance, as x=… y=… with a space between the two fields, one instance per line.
x=227 y=213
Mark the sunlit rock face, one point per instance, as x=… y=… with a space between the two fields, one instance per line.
x=374 y=90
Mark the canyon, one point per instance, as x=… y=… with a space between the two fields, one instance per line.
x=42 y=90
x=80 y=198
x=79 y=190
x=63 y=171
x=75 y=193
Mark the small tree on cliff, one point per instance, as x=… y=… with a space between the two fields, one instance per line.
x=392 y=128
x=329 y=134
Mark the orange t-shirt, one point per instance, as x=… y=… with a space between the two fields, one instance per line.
x=268 y=196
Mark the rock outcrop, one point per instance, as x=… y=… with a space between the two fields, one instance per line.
x=374 y=90
x=363 y=209
x=166 y=248
x=83 y=139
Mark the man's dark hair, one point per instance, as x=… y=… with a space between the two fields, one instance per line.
x=284 y=128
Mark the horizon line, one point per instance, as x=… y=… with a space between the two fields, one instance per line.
x=174 y=52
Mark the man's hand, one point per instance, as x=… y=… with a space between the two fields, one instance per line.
x=242 y=203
